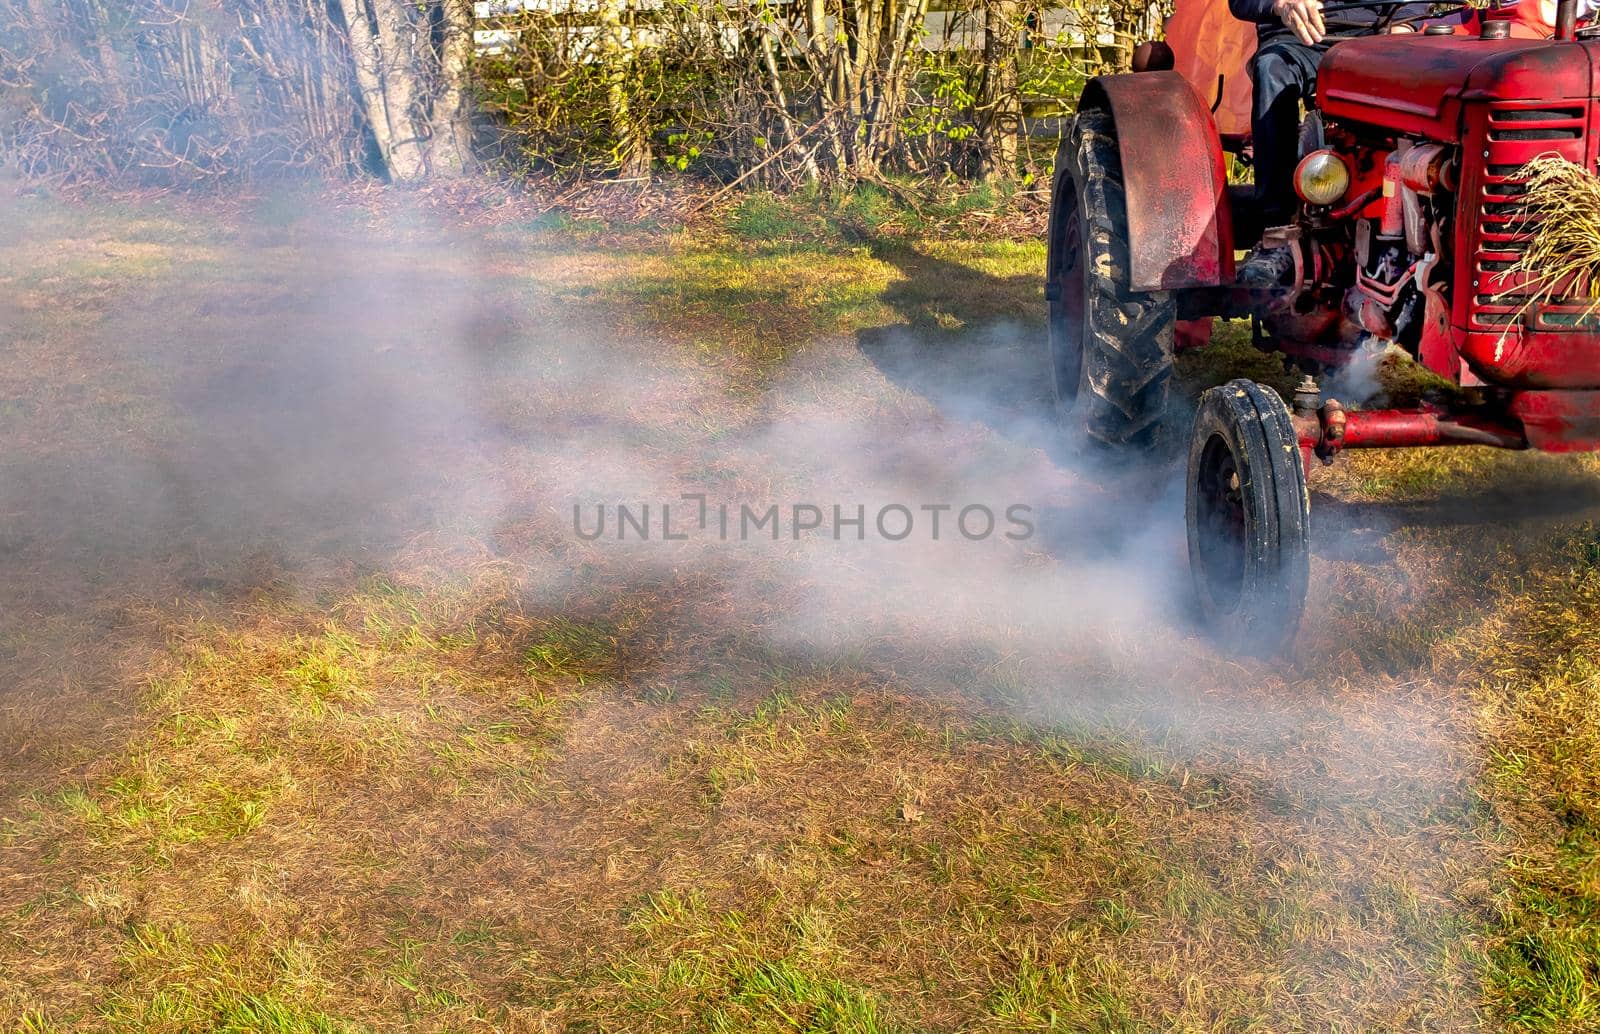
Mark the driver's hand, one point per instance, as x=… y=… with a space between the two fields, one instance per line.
x=1304 y=17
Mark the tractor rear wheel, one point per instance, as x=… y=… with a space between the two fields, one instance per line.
x=1110 y=347
x=1249 y=518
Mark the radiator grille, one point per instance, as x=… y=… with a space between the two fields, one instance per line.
x=1514 y=136
x=1519 y=124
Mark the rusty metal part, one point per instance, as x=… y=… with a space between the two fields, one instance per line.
x=1179 y=225
x=1416 y=226
x=1307 y=397
x=1316 y=423
x=1426 y=167
x=1334 y=429
x=1369 y=314
x=1436 y=349
x=1361 y=201
x=1369 y=303
x=1559 y=421
x=1566 y=19
x=1153 y=56
x=1334 y=419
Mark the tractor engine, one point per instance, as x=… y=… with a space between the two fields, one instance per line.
x=1373 y=244
x=1400 y=276
x=1430 y=134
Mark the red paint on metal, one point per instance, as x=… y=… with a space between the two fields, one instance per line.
x=1415 y=428
x=1411 y=428
x=1551 y=421
x=1418 y=84
x=1437 y=350
x=1393 y=223
x=1386 y=429
x=1192 y=334
x=1179 y=226
x=1553 y=357
x=1308 y=433
x=1559 y=421
x=1364 y=200
x=1504 y=102
x=1504 y=340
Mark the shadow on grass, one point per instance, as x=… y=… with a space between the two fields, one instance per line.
x=970 y=342
x=1558 y=498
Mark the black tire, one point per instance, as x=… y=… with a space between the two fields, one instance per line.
x=1110 y=347
x=1249 y=517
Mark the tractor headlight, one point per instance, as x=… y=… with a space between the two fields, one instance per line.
x=1322 y=178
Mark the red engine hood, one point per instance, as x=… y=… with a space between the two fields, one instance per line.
x=1416 y=84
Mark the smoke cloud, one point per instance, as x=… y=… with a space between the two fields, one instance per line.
x=340 y=390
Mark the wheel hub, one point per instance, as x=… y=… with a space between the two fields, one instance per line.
x=1067 y=309
x=1221 y=520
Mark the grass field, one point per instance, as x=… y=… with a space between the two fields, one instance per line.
x=318 y=716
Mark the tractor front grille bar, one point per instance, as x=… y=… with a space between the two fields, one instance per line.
x=1515 y=133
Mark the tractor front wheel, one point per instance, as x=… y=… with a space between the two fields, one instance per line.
x=1110 y=347
x=1249 y=518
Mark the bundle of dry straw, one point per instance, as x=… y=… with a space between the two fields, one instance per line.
x=1562 y=260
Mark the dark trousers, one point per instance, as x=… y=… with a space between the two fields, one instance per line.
x=1284 y=72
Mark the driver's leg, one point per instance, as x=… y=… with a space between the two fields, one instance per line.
x=1284 y=72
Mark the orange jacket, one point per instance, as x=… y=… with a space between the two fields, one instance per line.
x=1534 y=19
x=1212 y=49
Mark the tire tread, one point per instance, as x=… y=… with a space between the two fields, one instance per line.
x=1128 y=346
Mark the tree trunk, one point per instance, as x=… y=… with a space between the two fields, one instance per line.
x=115 y=78
x=633 y=149
x=868 y=16
x=780 y=97
x=845 y=97
x=884 y=123
x=817 y=42
x=398 y=71
x=1000 y=105
x=829 y=95
x=324 y=87
x=451 y=149
x=369 y=78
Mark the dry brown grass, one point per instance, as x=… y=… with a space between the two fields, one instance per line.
x=413 y=757
x=1562 y=257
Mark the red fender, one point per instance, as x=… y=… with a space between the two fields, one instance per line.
x=1179 y=227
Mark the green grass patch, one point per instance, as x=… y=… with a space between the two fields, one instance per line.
x=175 y=983
x=571 y=650
x=905 y=210
x=1540 y=683
x=733 y=974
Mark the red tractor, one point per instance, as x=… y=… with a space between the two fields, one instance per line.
x=1410 y=225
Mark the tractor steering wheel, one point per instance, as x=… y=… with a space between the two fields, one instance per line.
x=1386 y=20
